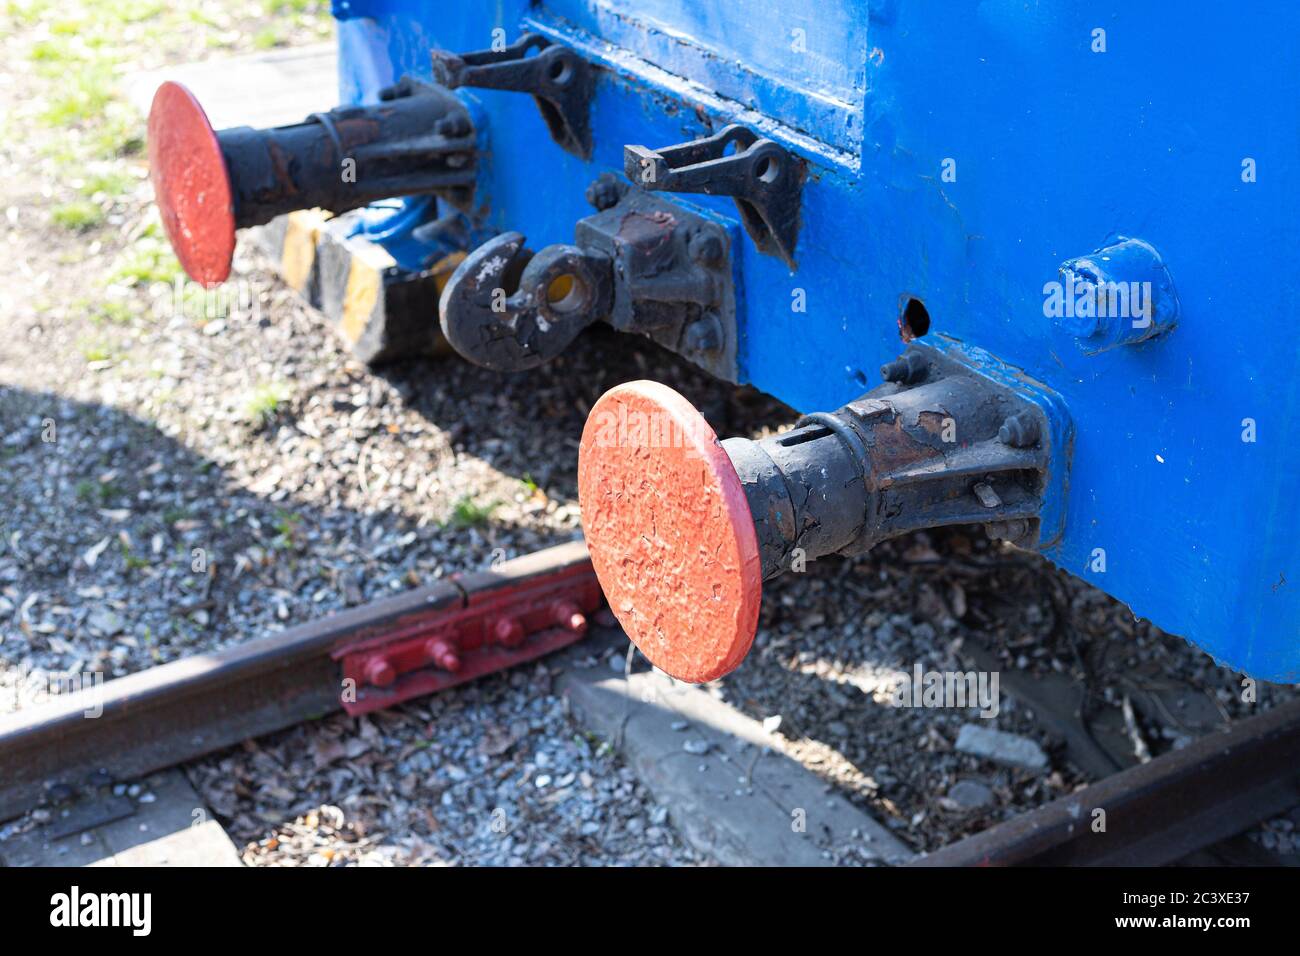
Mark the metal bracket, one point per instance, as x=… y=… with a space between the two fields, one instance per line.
x=939 y=443
x=641 y=264
x=492 y=629
x=943 y=451
x=765 y=179
x=561 y=81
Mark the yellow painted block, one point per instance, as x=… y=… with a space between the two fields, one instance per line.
x=301 y=234
x=444 y=267
x=365 y=284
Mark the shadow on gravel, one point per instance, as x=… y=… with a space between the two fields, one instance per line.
x=121 y=547
x=536 y=417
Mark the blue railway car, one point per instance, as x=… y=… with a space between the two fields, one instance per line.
x=1019 y=264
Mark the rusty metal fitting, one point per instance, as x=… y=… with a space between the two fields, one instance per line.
x=561 y=82
x=683 y=529
x=641 y=264
x=418 y=139
x=765 y=179
x=1019 y=431
x=907 y=369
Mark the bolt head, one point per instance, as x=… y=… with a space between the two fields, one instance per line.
x=706 y=248
x=908 y=369
x=443 y=654
x=1019 y=431
x=1121 y=294
x=380 y=672
x=509 y=632
x=453 y=125
x=570 y=617
x=1012 y=530
x=605 y=192
x=59 y=792
x=704 y=334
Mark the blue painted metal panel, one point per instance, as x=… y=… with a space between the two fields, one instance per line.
x=1057 y=150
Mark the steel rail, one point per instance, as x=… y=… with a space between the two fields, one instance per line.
x=175 y=712
x=1158 y=812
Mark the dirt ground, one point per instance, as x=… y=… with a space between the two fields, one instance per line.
x=137 y=432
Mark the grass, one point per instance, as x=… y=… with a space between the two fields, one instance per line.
x=149 y=260
x=137 y=11
x=201 y=305
x=465 y=513
x=110 y=183
x=103 y=310
x=79 y=215
x=297 y=6
x=96 y=353
x=95 y=492
x=173 y=515
x=54 y=53
x=133 y=561
x=267 y=38
x=83 y=93
x=77 y=55
x=120 y=133
x=262 y=406
x=83 y=49
x=27 y=13
x=286 y=527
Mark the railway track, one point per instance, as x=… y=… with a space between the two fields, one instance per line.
x=1155 y=813
x=175 y=712
x=1160 y=812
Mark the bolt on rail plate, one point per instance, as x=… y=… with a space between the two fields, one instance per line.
x=489 y=630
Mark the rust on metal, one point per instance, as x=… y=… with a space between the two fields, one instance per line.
x=934 y=421
x=894 y=444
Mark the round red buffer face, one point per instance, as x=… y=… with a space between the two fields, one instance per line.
x=191 y=184
x=669 y=531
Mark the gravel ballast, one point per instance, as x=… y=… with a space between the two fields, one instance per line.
x=182 y=472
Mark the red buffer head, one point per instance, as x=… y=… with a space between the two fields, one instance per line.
x=669 y=530
x=191 y=184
